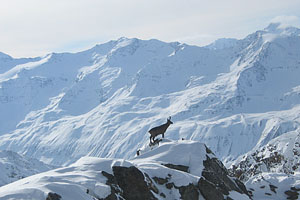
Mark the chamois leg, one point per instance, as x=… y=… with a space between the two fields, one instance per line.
x=151 y=137
x=163 y=135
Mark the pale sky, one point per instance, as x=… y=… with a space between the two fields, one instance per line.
x=30 y=28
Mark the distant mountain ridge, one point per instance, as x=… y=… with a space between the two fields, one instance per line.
x=102 y=101
x=14 y=167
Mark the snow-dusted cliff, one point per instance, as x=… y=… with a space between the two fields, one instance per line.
x=234 y=96
x=155 y=174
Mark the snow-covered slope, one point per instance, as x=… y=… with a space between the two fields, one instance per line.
x=14 y=167
x=274 y=186
x=223 y=43
x=155 y=174
x=279 y=155
x=101 y=102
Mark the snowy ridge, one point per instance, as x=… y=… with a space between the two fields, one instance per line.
x=161 y=177
x=222 y=43
x=14 y=167
x=101 y=102
x=280 y=155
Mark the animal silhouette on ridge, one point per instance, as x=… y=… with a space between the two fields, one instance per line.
x=159 y=130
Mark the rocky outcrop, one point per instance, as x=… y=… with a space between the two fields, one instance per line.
x=216 y=181
x=216 y=173
x=177 y=167
x=209 y=191
x=53 y=196
x=280 y=155
x=132 y=184
x=189 y=192
x=129 y=183
x=293 y=193
x=183 y=169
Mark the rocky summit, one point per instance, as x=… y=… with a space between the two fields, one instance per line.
x=171 y=170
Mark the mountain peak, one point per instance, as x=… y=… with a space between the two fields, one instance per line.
x=4 y=56
x=222 y=43
x=282 y=29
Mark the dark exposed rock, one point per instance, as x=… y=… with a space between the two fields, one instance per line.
x=150 y=184
x=160 y=181
x=295 y=189
x=132 y=182
x=217 y=181
x=53 y=196
x=129 y=183
x=291 y=194
x=216 y=173
x=273 y=188
x=170 y=185
x=115 y=190
x=250 y=193
x=189 y=192
x=208 y=150
x=162 y=195
x=241 y=185
x=110 y=178
x=177 y=167
x=112 y=196
x=209 y=191
x=266 y=159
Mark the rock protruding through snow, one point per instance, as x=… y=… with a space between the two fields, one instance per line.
x=173 y=170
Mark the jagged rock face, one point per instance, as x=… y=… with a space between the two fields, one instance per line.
x=216 y=174
x=129 y=183
x=272 y=170
x=279 y=155
x=209 y=190
x=132 y=182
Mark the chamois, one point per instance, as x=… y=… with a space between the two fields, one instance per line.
x=159 y=130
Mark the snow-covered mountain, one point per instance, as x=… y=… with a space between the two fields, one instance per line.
x=155 y=174
x=272 y=171
x=233 y=97
x=14 y=167
x=279 y=155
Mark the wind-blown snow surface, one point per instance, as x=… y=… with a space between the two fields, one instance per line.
x=101 y=102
